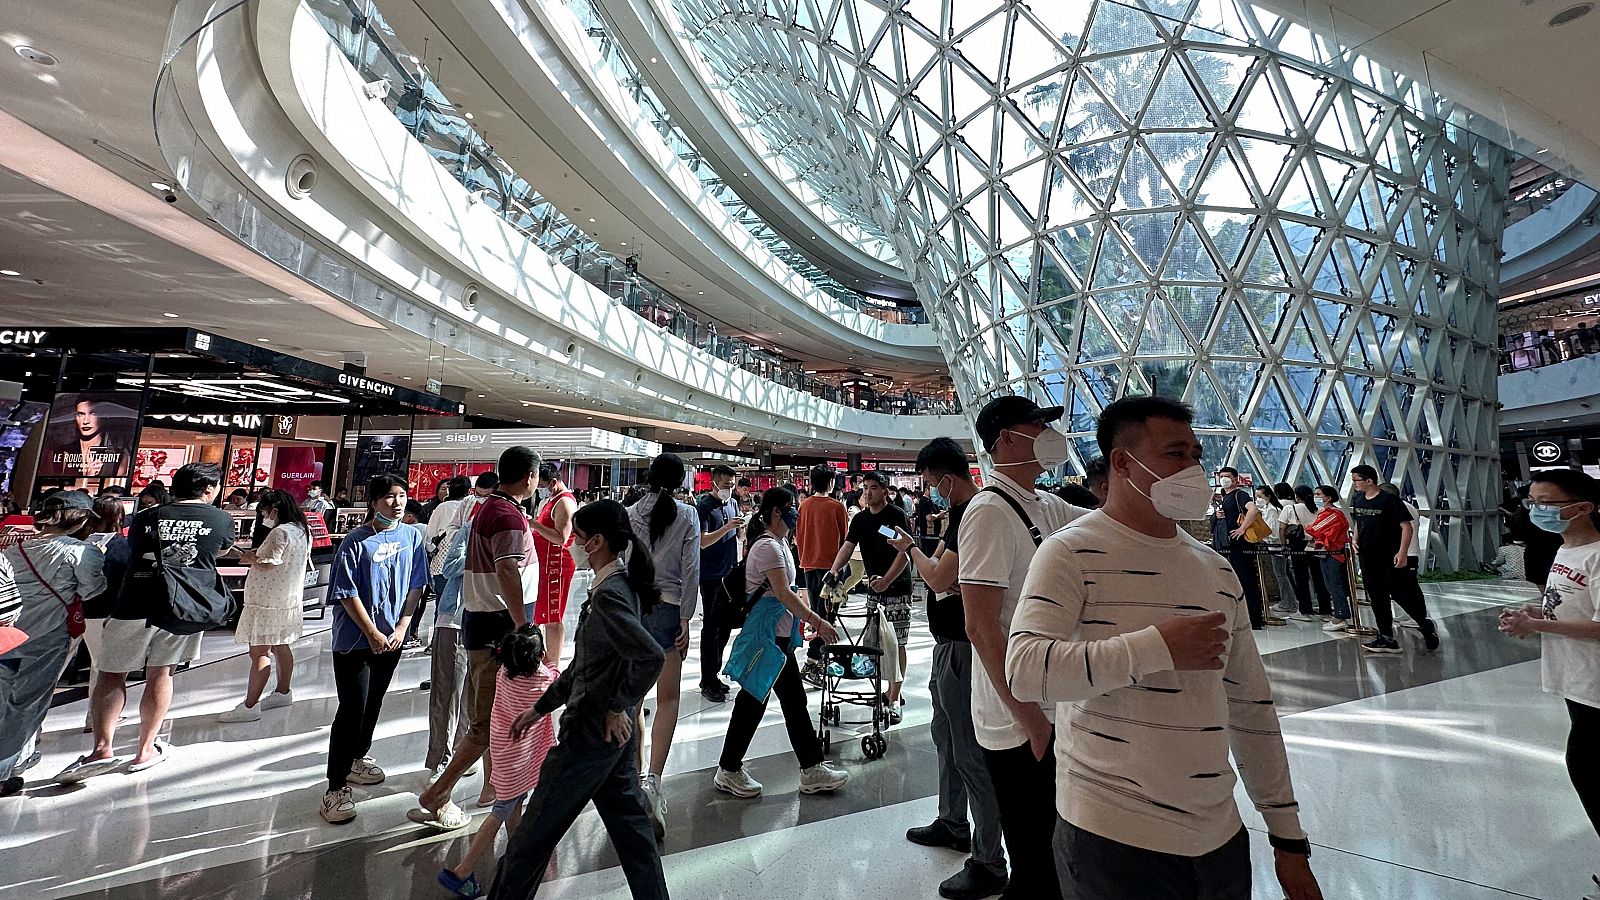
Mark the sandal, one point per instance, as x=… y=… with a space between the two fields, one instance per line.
x=458 y=886
x=162 y=752
x=449 y=817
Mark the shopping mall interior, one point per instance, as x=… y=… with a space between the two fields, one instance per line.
x=737 y=251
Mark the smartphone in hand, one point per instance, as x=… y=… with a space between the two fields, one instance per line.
x=886 y=531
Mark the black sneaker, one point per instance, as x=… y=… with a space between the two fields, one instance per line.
x=939 y=835
x=1381 y=644
x=1430 y=634
x=974 y=882
x=811 y=674
x=714 y=693
x=11 y=786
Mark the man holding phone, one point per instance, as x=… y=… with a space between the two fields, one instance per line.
x=888 y=575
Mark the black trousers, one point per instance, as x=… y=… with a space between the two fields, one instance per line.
x=747 y=713
x=1306 y=573
x=1025 y=789
x=1244 y=566
x=583 y=768
x=813 y=582
x=714 y=602
x=1387 y=585
x=360 y=678
x=1097 y=868
x=1583 y=742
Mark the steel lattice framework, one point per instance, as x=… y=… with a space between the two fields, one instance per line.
x=1103 y=199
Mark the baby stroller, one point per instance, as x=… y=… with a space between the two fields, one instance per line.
x=856 y=660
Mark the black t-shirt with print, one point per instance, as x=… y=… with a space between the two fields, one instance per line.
x=1378 y=524
x=876 y=552
x=192 y=534
x=947 y=620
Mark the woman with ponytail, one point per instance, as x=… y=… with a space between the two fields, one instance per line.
x=670 y=530
x=614 y=663
x=776 y=616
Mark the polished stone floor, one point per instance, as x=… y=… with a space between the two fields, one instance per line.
x=1420 y=775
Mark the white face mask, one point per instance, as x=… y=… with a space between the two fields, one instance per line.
x=544 y=494
x=580 y=555
x=1049 y=449
x=725 y=494
x=1184 y=495
x=1225 y=481
x=268 y=522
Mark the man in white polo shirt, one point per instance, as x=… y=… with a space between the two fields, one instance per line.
x=1141 y=634
x=1002 y=528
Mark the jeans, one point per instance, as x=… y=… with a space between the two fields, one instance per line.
x=1386 y=585
x=747 y=713
x=1285 y=582
x=1097 y=868
x=27 y=679
x=446 y=694
x=714 y=631
x=361 y=678
x=1244 y=566
x=1582 y=742
x=1025 y=789
x=963 y=778
x=1337 y=579
x=583 y=768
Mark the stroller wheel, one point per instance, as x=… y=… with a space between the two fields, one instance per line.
x=826 y=739
x=873 y=746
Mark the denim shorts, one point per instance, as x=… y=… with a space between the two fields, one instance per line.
x=663 y=623
x=503 y=809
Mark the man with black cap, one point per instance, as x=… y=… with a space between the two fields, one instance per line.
x=1003 y=527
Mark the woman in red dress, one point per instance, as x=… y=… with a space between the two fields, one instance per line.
x=552 y=535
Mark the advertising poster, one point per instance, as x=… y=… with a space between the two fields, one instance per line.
x=152 y=463
x=295 y=469
x=377 y=454
x=247 y=469
x=90 y=435
x=18 y=418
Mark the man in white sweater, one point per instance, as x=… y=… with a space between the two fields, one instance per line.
x=1140 y=634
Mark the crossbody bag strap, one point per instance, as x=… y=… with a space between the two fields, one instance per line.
x=1033 y=530
x=47 y=585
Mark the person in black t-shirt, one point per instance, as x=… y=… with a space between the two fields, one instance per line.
x=1384 y=531
x=888 y=577
x=1235 y=513
x=963 y=777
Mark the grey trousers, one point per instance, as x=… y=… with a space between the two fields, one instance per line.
x=447 y=722
x=963 y=776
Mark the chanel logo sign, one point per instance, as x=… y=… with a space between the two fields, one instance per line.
x=1546 y=451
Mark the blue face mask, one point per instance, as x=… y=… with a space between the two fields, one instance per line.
x=790 y=517
x=939 y=500
x=1322 y=503
x=1549 y=519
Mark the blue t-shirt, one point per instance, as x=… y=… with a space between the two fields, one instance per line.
x=379 y=568
x=717 y=560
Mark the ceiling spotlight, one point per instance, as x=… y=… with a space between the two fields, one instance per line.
x=652 y=59
x=469 y=115
x=591 y=218
x=624 y=243
x=10 y=273
x=35 y=55
x=480 y=396
x=744 y=174
x=169 y=315
x=263 y=340
x=161 y=185
x=405 y=377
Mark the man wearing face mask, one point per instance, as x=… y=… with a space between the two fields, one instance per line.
x=819 y=532
x=720 y=522
x=1234 y=515
x=999 y=535
x=1138 y=631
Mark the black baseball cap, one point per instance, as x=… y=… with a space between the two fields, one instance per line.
x=1008 y=412
x=67 y=500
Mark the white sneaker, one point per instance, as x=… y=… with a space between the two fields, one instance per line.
x=338 y=806
x=822 y=778
x=1335 y=625
x=1298 y=616
x=655 y=806
x=277 y=700
x=739 y=784
x=241 y=713
x=365 y=771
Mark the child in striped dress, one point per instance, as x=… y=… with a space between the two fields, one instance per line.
x=515 y=761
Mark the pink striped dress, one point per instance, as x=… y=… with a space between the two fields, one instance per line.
x=517 y=762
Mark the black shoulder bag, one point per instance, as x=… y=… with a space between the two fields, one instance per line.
x=1033 y=530
x=193 y=598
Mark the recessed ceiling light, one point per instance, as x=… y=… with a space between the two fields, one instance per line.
x=469 y=115
x=480 y=396
x=10 y=273
x=170 y=315
x=405 y=377
x=652 y=59
x=744 y=174
x=1570 y=14
x=161 y=185
x=591 y=218
x=699 y=292
x=263 y=340
x=624 y=243
x=35 y=55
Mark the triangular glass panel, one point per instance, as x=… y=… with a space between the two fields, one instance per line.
x=1148 y=234
x=1104 y=382
x=1190 y=259
x=1273 y=412
x=1304 y=89
x=1115 y=264
x=1209 y=409
x=1236 y=381
x=1088 y=116
x=1094 y=341
x=1027 y=183
x=981 y=47
x=1122 y=311
x=1062 y=22
x=1012 y=229
x=1032 y=52
x=1196 y=306
x=1261 y=110
x=1267 y=307
x=1066 y=204
x=1221 y=74
x=1142 y=185
x=1233 y=336
x=1265 y=161
x=1167 y=377
x=1055 y=279
x=1228 y=231
x=1161 y=335
x=1125 y=80
x=1300 y=192
x=1264 y=266
x=979 y=134
x=1299 y=345
x=1099 y=166
x=1172 y=102
x=1181 y=156
x=1332 y=454
x=1041 y=103
x=1225 y=185
x=1117 y=27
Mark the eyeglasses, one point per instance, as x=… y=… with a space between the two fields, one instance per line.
x=1546 y=507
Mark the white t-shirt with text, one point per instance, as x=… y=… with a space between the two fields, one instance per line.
x=1571 y=666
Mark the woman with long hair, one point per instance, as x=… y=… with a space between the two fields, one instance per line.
x=113 y=545
x=671 y=529
x=614 y=663
x=1306 y=570
x=776 y=616
x=273 y=598
x=1271 y=509
x=53 y=572
x=1330 y=531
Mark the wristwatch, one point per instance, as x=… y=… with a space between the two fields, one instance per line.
x=1300 y=846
